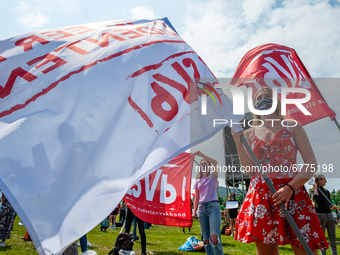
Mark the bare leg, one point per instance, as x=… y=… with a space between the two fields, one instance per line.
x=232 y=225
x=114 y=220
x=267 y=249
x=213 y=238
x=298 y=251
x=110 y=219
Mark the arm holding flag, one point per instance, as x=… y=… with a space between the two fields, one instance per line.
x=258 y=69
x=203 y=162
x=212 y=161
x=273 y=150
x=206 y=195
x=305 y=173
x=302 y=143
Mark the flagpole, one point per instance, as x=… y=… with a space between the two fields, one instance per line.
x=331 y=204
x=273 y=190
x=312 y=182
x=336 y=123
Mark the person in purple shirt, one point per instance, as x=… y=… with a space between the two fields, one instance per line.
x=206 y=205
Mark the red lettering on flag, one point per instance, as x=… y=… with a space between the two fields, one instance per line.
x=58 y=32
x=276 y=66
x=83 y=68
x=187 y=62
x=155 y=31
x=124 y=24
x=28 y=41
x=164 y=104
x=163 y=96
x=2 y=59
x=148 y=30
x=140 y=111
x=82 y=29
x=156 y=66
x=104 y=42
x=181 y=88
x=72 y=47
x=128 y=31
x=48 y=58
x=163 y=197
x=6 y=90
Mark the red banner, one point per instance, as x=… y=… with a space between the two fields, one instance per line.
x=163 y=197
x=278 y=66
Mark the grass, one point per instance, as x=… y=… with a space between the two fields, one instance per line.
x=161 y=240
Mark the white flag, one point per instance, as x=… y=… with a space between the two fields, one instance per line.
x=85 y=111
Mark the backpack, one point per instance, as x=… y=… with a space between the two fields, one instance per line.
x=104 y=224
x=71 y=250
x=119 y=224
x=124 y=241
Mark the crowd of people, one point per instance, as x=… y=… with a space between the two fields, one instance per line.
x=126 y=218
x=259 y=219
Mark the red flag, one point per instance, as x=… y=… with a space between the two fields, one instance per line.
x=163 y=197
x=274 y=65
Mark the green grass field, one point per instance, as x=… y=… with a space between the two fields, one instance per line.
x=161 y=240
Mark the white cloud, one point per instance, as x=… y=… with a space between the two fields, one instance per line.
x=223 y=31
x=142 y=12
x=29 y=16
x=253 y=9
x=33 y=20
x=37 y=13
x=69 y=6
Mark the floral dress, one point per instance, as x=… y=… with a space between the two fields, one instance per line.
x=259 y=220
x=7 y=216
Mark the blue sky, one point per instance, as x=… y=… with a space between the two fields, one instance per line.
x=221 y=32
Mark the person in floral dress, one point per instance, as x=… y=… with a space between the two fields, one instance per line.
x=7 y=217
x=260 y=219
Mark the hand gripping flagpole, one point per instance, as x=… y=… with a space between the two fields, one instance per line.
x=272 y=189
